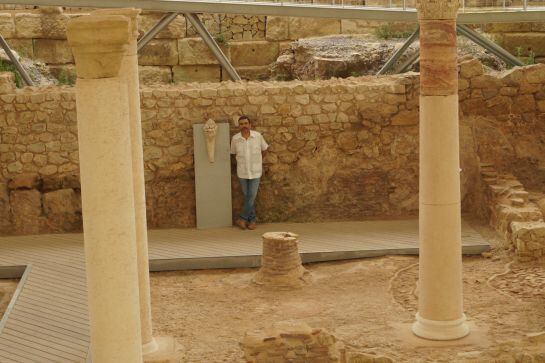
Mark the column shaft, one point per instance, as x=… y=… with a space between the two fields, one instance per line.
x=440 y=310
x=108 y=219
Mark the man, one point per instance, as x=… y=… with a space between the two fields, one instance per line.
x=248 y=146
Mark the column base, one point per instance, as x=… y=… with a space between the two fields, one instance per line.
x=150 y=347
x=166 y=351
x=440 y=330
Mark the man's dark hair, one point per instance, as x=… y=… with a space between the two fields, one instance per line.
x=244 y=117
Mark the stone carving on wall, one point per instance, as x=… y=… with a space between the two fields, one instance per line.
x=210 y=130
x=437 y=9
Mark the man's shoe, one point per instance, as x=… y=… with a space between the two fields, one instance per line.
x=252 y=225
x=241 y=223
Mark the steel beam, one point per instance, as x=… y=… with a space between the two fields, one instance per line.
x=398 y=53
x=161 y=24
x=212 y=45
x=24 y=75
x=335 y=11
x=488 y=44
x=408 y=63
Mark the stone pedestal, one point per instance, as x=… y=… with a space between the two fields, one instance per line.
x=129 y=72
x=99 y=45
x=440 y=312
x=281 y=265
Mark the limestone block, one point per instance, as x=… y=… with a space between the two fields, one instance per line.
x=206 y=73
x=404 y=118
x=485 y=81
x=538 y=27
x=159 y=52
x=26 y=208
x=528 y=41
x=7 y=82
x=277 y=28
x=194 y=51
x=24 y=181
x=63 y=210
x=176 y=29
x=471 y=68
x=54 y=26
x=53 y=51
x=535 y=73
x=23 y=47
x=155 y=74
x=7 y=25
x=28 y=26
x=258 y=53
x=523 y=103
x=311 y=27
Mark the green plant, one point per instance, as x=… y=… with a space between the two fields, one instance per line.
x=8 y=67
x=387 y=31
x=531 y=58
x=65 y=78
x=220 y=39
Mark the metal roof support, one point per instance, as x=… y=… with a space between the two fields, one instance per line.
x=214 y=47
x=398 y=53
x=413 y=59
x=161 y=24
x=24 y=75
x=488 y=44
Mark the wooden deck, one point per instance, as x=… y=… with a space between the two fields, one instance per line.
x=47 y=320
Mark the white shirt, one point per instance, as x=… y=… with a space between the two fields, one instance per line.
x=248 y=153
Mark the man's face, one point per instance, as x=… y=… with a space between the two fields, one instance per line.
x=244 y=125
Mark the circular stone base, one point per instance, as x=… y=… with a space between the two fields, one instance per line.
x=440 y=330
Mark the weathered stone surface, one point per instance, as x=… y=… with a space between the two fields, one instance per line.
x=26 y=208
x=242 y=27
x=258 y=53
x=471 y=68
x=54 y=26
x=28 y=26
x=7 y=25
x=404 y=118
x=5 y=210
x=313 y=27
x=176 y=29
x=7 y=82
x=150 y=75
x=63 y=210
x=24 y=181
x=207 y=73
x=507 y=27
x=277 y=28
x=23 y=47
x=53 y=51
x=252 y=73
x=194 y=51
x=159 y=52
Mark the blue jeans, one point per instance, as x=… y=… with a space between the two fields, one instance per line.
x=249 y=189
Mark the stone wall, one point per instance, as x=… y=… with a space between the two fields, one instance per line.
x=340 y=149
x=520 y=38
x=177 y=54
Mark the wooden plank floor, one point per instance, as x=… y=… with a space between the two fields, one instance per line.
x=48 y=322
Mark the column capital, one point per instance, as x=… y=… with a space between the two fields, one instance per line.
x=99 y=44
x=131 y=13
x=437 y=9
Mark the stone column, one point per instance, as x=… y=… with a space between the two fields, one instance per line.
x=129 y=71
x=99 y=45
x=440 y=312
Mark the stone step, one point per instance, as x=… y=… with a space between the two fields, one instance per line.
x=517 y=202
x=520 y=194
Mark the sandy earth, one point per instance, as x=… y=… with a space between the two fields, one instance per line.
x=368 y=304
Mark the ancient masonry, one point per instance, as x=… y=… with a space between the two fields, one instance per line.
x=323 y=136
x=281 y=265
x=519 y=220
x=296 y=342
x=252 y=43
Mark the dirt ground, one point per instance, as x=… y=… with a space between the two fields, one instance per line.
x=368 y=304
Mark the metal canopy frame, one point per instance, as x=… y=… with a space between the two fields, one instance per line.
x=24 y=75
x=398 y=53
x=336 y=11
